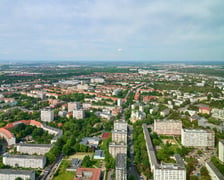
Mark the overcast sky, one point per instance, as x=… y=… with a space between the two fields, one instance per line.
x=112 y=30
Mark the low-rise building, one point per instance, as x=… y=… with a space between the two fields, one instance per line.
x=26 y=161
x=88 y=173
x=75 y=164
x=204 y=110
x=90 y=141
x=11 y=174
x=197 y=138
x=99 y=154
x=39 y=149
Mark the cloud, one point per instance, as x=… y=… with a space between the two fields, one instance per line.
x=120 y=50
x=155 y=29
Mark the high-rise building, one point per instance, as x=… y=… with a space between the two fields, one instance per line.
x=119 y=102
x=47 y=115
x=114 y=148
x=197 y=137
x=221 y=150
x=119 y=136
x=78 y=114
x=73 y=106
x=120 y=125
x=121 y=167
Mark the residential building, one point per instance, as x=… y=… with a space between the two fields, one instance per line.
x=221 y=150
x=78 y=114
x=47 y=115
x=120 y=125
x=218 y=113
x=73 y=106
x=137 y=115
x=39 y=149
x=204 y=110
x=168 y=127
x=213 y=171
x=8 y=136
x=119 y=102
x=26 y=161
x=119 y=136
x=163 y=171
x=97 y=80
x=197 y=138
x=11 y=174
x=121 y=167
x=114 y=148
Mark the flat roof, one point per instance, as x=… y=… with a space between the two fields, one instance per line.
x=23 y=156
x=215 y=170
x=15 y=171
x=35 y=145
x=121 y=161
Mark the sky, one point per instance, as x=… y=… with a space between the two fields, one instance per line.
x=149 y=30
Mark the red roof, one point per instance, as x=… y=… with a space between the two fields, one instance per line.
x=105 y=136
x=204 y=108
x=6 y=132
x=95 y=173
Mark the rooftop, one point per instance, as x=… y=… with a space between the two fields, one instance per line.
x=15 y=171
x=23 y=156
x=121 y=160
x=88 y=173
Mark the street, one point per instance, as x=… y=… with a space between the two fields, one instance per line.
x=132 y=171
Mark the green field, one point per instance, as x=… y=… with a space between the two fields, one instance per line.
x=62 y=173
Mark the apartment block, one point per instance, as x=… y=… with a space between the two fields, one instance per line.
x=73 y=106
x=11 y=174
x=197 y=137
x=168 y=127
x=114 y=149
x=47 y=115
x=121 y=167
x=78 y=114
x=26 y=161
x=120 y=125
x=39 y=149
x=119 y=136
x=214 y=173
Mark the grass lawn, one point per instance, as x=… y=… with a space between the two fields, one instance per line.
x=62 y=173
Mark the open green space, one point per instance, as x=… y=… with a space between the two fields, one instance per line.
x=62 y=173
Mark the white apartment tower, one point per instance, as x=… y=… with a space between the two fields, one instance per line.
x=78 y=114
x=47 y=115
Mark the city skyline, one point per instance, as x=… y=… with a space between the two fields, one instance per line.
x=112 y=30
